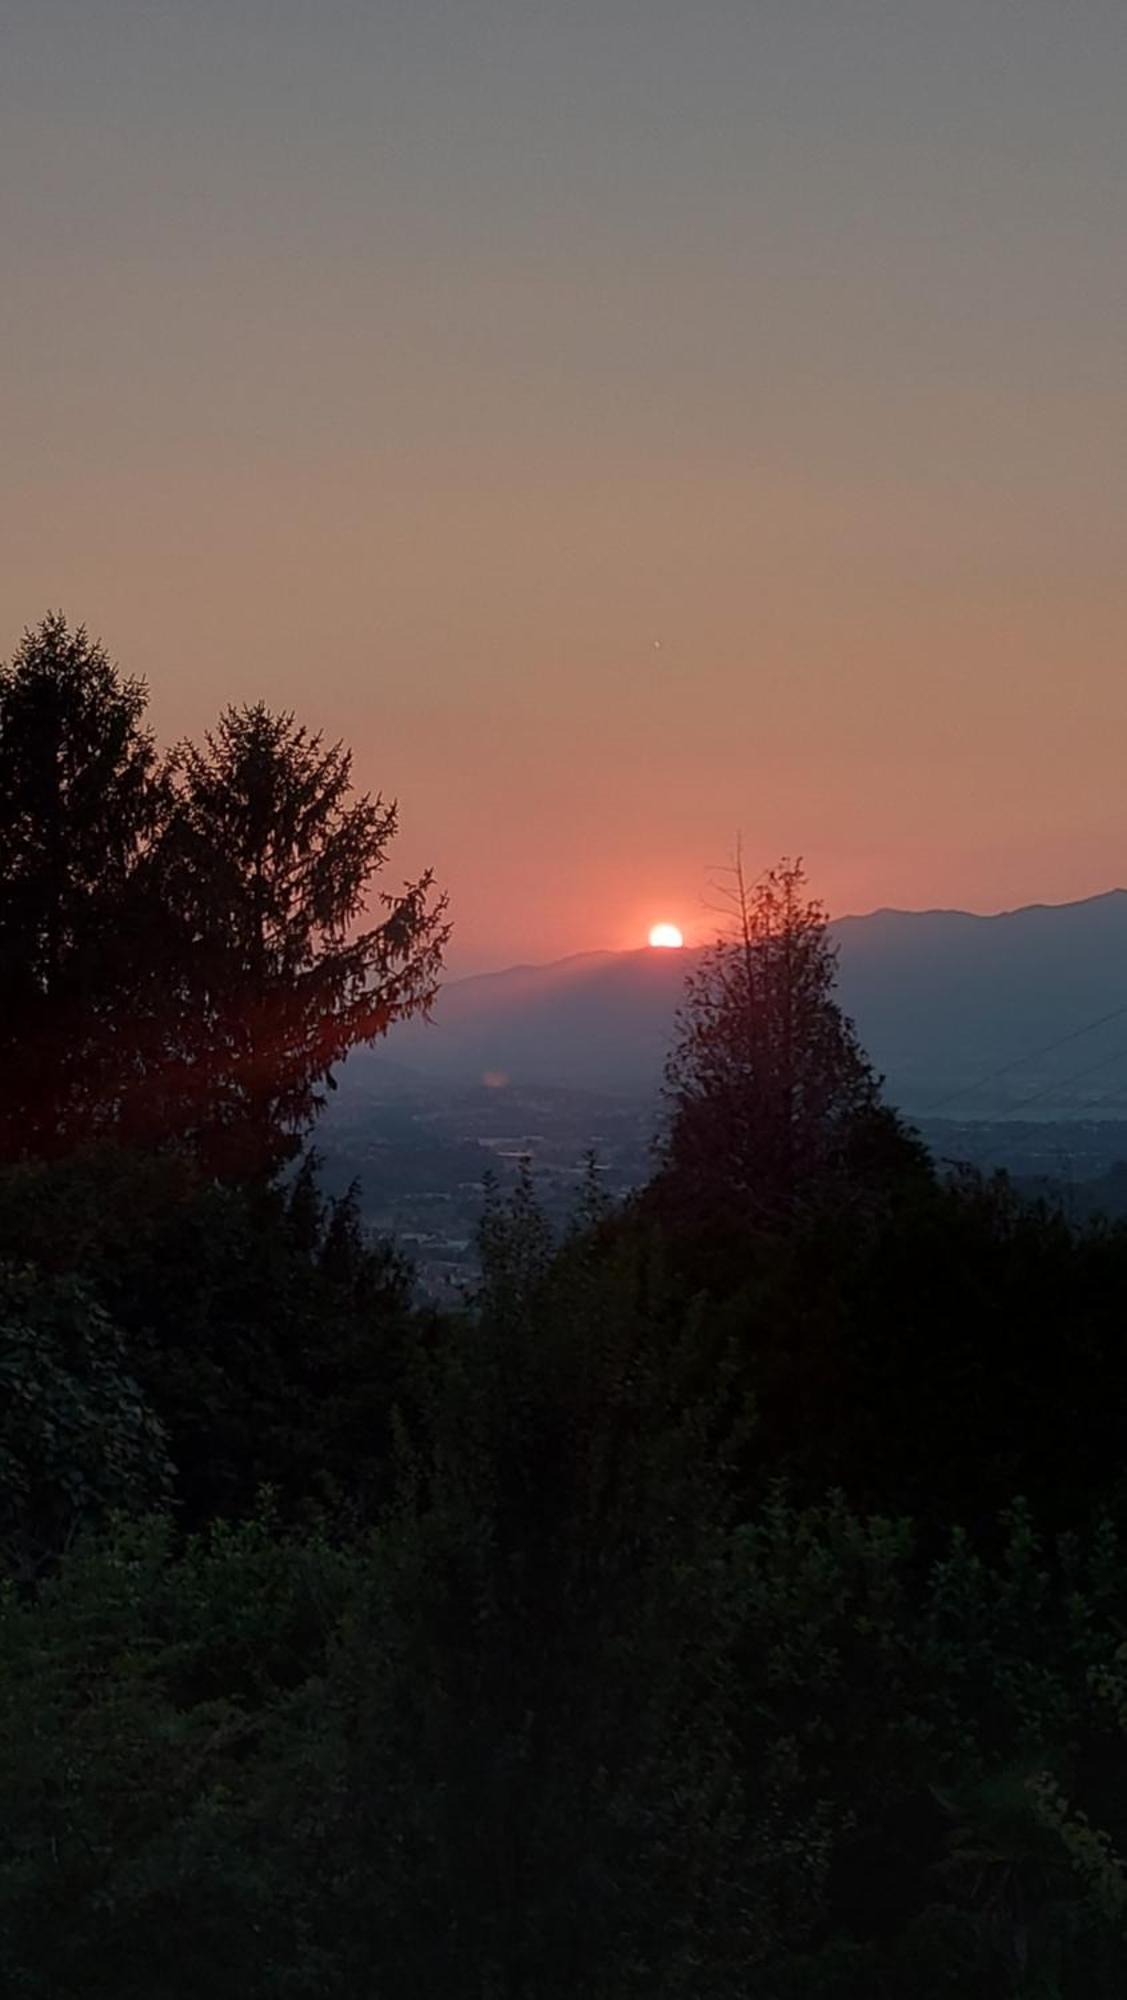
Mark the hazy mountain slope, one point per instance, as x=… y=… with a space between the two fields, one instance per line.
x=940 y=998
x=600 y=1021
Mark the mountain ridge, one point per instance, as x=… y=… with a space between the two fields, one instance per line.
x=940 y=997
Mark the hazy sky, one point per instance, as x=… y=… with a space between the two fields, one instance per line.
x=623 y=421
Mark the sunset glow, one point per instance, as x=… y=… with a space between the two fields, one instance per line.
x=735 y=388
x=666 y=937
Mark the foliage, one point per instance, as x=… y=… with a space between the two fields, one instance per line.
x=960 y=1347
x=553 y=1726
x=182 y=953
x=786 y=1757
x=516 y=1650
x=270 y=1338
x=266 y=860
x=80 y=800
x=575 y=1699
x=150 y=1843
x=77 y=1437
x=772 y=1105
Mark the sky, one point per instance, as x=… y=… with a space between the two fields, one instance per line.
x=625 y=423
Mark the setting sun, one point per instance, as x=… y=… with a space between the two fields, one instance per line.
x=666 y=937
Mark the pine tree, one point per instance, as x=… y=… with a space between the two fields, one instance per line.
x=267 y=862
x=80 y=800
x=184 y=955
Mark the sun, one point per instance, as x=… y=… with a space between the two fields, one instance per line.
x=666 y=937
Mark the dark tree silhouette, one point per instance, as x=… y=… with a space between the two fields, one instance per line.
x=79 y=803
x=266 y=861
x=768 y=1090
x=183 y=954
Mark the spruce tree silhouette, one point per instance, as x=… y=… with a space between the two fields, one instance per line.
x=266 y=861
x=183 y=953
x=80 y=804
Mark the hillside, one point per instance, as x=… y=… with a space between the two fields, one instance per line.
x=942 y=999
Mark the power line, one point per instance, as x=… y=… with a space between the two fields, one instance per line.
x=1064 y=1083
x=1031 y=1055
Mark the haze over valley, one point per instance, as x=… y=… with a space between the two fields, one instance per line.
x=941 y=999
x=1003 y=1038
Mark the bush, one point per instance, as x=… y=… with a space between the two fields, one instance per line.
x=77 y=1436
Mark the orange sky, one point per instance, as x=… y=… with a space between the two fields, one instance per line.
x=623 y=423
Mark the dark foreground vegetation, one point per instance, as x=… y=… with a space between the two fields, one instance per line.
x=728 y=1599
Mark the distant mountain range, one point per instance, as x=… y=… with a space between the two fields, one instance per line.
x=979 y=1017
